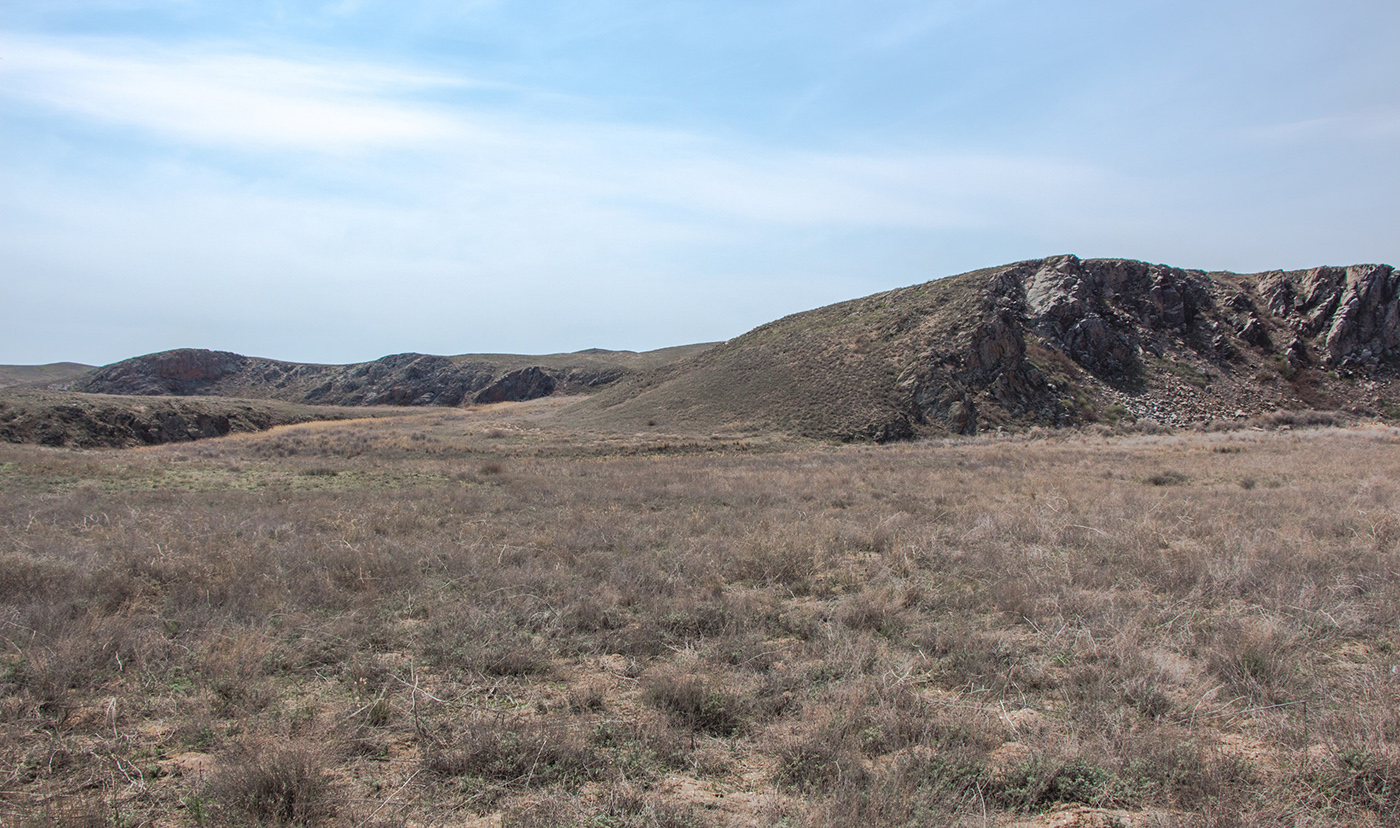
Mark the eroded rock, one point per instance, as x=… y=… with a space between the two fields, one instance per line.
x=525 y=384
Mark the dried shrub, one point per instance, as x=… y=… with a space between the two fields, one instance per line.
x=491 y=643
x=816 y=761
x=877 y=610
x=519 y=752
x=700 y=703
x=1359 y=778
x=285 y=783
x=1256 y=660
x=617 y=806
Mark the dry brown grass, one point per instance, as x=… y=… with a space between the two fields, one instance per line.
x=455 y=615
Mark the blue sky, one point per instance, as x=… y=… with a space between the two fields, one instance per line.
x=336 y=181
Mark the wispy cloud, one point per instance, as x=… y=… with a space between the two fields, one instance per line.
x=241 y=102
x=225 y=98
x=1380 y=124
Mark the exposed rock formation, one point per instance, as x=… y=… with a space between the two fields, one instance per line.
x=184 y=372
x=92 y=421
x=1353 y=309
x=526 y=384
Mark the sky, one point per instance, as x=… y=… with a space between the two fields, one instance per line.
x=335 y=181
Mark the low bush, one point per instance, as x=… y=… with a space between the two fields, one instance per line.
x=285 y=783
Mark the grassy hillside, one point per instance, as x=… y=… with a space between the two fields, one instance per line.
x=833 y=371
x=492 y=616
x=55 y=372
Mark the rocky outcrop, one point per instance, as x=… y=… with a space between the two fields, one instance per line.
x=1102 y=315
x=525 y=384
x=87 y=421
x=1353 y=309
x=1102 y=312
x=401 y=379
x=1135 y=329
x=182 y=372
x=407 y=379
x=993 y=365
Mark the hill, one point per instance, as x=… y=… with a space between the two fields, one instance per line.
x=54 y=372
x=400 y=379
x=1052 y=342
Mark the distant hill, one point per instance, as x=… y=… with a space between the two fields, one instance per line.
x=401 y=379
x=54 y=372
x=1053 y=342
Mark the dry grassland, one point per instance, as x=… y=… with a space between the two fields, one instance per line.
x=484 y=618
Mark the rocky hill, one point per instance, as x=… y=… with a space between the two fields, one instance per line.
x=1053 y=342
x=401 y=379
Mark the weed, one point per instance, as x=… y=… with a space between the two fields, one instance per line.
x=700 y=703
x=283 y=783
x=517 y=752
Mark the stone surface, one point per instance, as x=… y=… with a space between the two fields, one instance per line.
x=525 y=384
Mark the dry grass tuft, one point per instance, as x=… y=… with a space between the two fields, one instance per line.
x=282 y=783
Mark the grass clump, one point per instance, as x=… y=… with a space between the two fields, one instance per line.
x=699 y=703
x=285 y=784
x=517 y=752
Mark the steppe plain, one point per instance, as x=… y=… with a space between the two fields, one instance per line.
x=492 y=616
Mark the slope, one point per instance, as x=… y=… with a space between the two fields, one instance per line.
x=52 y=373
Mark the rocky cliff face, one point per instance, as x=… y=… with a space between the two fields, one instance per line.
x=525 y=384
x=185 y=372
x=1056 y=341
x=1120 y=338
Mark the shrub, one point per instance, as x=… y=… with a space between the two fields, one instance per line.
x=699 y=703
x=1041 y=783
x=517 y=752
x=817 y=762
x=284 y=783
